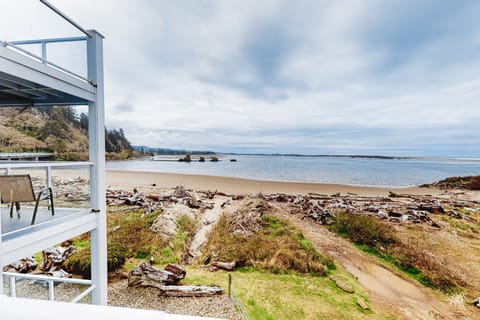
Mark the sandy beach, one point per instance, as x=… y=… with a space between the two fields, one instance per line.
x=145 y=180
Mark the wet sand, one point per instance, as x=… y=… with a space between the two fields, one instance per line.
x=131 y=179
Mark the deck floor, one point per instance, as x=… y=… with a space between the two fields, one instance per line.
x=44 y=218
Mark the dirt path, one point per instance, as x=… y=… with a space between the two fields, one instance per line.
x=402 y=297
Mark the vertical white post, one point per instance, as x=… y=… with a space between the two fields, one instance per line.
x=44 y=53
x=1 y=250
x=12 y=288
x=96 y=136
x=49 y=176
x=51 y=290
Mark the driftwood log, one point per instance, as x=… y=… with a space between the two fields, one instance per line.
x=362 y=303
x=177 y=270
x=54 y=258
x=229 y=266
x=190 y=291
x=24 y=265
x=58 y=273
x=147 y=276
x=342 y=285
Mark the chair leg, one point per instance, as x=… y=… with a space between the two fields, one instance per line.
x=11 y=209
x=17 y=206
x=35 y=210
x=51 y=200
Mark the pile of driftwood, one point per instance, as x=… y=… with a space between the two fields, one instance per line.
x=151 y=202
x=71 y=190
x=396 y=208
x=52 y=263
x=166 y=280
x=25 y=265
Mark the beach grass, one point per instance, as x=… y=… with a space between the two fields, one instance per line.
x=290 y=296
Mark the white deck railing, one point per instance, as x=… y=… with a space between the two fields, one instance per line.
x=8 y=166
x=16 y=46
x=51 y=284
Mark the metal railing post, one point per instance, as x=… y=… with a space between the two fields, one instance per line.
x=11 y=287
x=51 y=284
x=51 y=290
x=49 y=176
x=44 y=52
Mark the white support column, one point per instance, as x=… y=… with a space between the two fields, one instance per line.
x=1 y=250
x=96 y=133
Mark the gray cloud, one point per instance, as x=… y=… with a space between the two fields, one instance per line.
x=396 y=77
x=125 y=107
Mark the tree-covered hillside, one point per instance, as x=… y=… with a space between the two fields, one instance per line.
x=55 y=129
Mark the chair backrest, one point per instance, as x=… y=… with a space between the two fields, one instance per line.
x=16 y=188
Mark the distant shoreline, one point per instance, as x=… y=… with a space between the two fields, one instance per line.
x=353 y=156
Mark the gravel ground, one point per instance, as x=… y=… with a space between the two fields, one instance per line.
x=120 y=295
x=147 y=298
x=64 y=292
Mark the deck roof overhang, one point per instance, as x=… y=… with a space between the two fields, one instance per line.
x=27 y=82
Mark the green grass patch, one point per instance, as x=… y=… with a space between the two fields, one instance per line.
x=289 y=296
x=80 y=262
x=131 y=228
x=82 y=243
x=38 y=257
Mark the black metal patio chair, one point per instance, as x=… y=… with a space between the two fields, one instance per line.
x=18 y=188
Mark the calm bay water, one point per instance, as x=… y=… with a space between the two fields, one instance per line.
x=353 y=171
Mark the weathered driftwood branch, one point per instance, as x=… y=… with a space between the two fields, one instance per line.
x=177 y=270
x=190 y=291
x=147 y=276
x=55 y=257
x=342 y=285
x=58 y=274
x=229 y=266
x=24 y=265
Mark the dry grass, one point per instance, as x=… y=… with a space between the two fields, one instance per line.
x=420 y=253
x=274 y=245
x=448 y=257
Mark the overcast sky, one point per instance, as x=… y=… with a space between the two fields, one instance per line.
x=314 y=77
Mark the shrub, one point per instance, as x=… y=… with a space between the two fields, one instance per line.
x=364 y=229
x=116 y=256
x=474 y=183
x=80 y=262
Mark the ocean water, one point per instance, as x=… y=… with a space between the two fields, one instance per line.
x=352 y=171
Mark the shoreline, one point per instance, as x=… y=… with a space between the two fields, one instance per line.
x=145 y=179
